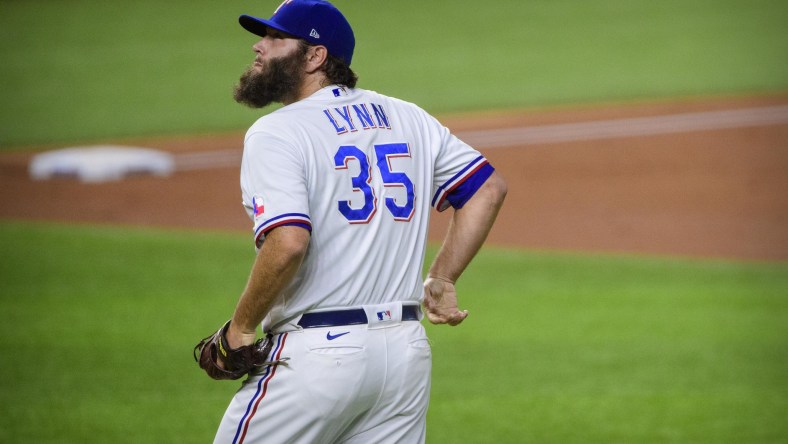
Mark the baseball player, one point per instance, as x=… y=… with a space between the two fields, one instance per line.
x=339 y=184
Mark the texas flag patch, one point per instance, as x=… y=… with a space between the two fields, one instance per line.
x=258 y=206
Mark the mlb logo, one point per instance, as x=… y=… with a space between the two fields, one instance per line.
x=384 y=315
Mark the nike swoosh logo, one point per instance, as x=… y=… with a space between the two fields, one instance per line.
x=331 y=337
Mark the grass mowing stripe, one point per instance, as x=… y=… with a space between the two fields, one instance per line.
x=73 y=70
x=583 y=349
x=101 y=323
x=558 y=348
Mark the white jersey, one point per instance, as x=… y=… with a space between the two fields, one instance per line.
x=361 y=171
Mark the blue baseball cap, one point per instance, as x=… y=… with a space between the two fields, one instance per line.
x=316 y=21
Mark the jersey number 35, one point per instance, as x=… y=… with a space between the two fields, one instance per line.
x=361 y=182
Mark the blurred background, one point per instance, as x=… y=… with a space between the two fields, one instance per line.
x=76 y=70
x=634 y=290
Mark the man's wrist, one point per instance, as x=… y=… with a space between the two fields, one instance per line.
x=439 y=277
x=237 y=337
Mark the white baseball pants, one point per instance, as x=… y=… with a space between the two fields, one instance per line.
x=367 y=383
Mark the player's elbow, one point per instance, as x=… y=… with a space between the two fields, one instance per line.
x=496 y=189
x=489 y=198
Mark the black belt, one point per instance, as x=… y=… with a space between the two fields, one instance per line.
x=354 y=316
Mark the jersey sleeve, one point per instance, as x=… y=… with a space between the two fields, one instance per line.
x=460 y=171
x=273 y=184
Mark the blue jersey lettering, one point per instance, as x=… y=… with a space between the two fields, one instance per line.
x=377 y=119
x=345 y=113
x=380 y=115
x=339 y=129
x=363 y=116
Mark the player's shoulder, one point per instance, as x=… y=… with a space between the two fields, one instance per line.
x=280 y=127
x=274 y=121
x=406 y=111
x=271 y=136
x=292 y=122
x=394 y=101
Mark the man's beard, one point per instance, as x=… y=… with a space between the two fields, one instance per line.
x=278 y=80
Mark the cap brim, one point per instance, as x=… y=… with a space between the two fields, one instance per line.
x=258 y=26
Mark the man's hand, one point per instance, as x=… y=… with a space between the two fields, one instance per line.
x=221 y=361
x=440 y=302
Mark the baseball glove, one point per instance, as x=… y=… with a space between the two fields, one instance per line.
x=220 y=361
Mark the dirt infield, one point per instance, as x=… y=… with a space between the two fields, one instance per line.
x=635 y=185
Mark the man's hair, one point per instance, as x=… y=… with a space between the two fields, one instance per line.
x=337 y=71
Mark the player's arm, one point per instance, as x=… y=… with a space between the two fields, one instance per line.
x=467 y=231
x=276 y=264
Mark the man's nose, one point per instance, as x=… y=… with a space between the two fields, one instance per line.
x=259 y=46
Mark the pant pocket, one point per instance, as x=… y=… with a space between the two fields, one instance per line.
x=330 y=382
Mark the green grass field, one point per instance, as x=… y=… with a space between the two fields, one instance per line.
x=76 y=70
x=560 y=348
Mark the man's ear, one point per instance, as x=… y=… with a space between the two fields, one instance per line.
x=315 y=58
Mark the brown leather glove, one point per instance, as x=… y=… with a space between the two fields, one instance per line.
x=220 y=361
